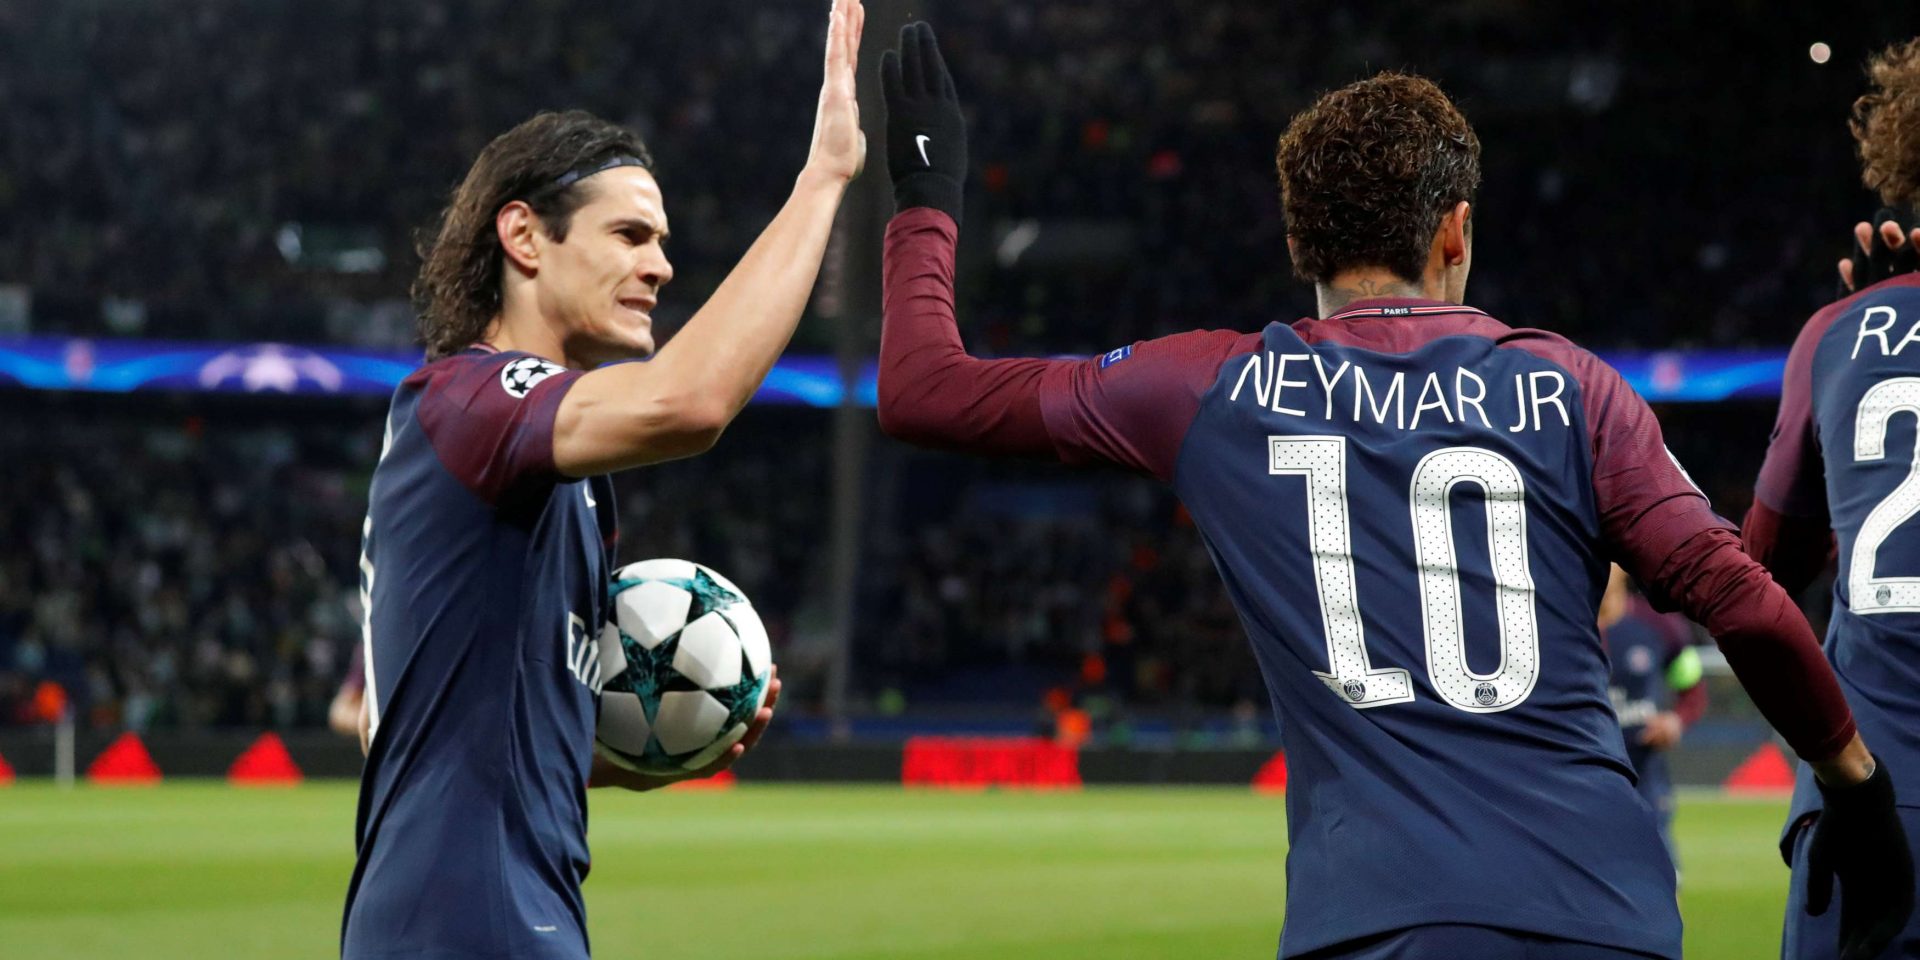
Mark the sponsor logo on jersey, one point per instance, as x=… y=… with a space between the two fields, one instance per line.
x=1115 y=355
x=521 y=376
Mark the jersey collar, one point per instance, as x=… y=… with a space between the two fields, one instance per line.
x=1400 y=307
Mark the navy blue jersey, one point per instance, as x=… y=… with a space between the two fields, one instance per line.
x=1402 y=502
x=1843 y=451
x=482 y=570
x=1413 y=507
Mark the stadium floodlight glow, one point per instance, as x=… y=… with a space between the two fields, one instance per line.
x=1820 y=53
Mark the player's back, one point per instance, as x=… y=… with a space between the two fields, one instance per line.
x=1857 y=363
x=1401 y=501
x=481 y=570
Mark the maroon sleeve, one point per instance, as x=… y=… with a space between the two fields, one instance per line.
x=1661 y=529
x=931 y=392
x=1794 y=549
x=1791 y=478
x=490 y=419
x=1131 y=406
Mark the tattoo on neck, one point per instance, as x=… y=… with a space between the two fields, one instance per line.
x=1367 y=288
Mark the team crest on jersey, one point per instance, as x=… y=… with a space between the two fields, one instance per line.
x=1355 y=690
x=521 y=376
x=1486 y=694
x=1115 y=355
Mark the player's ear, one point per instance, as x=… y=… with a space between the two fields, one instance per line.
x=1456 y=233
x=519 y=230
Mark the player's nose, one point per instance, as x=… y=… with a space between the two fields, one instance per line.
x=655 y=269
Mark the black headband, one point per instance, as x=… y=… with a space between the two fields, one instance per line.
x=578 y=174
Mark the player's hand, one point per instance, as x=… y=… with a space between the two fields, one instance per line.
x=1662 y=731
x=1880 y=251
x=926 y=132
x=1858 y=840
x=607 y=774
x=839 y=149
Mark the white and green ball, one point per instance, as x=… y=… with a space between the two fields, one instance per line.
x=686 y=664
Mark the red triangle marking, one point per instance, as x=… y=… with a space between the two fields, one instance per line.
x=125 y=761
x=1766 y=771
x=265 y=764
x=724 y=780
x=1272 y=777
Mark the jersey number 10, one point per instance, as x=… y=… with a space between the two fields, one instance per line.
x=1322 y=461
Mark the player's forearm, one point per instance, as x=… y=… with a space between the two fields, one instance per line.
x=1766 y=641
x=931 y=392
x=729 y=345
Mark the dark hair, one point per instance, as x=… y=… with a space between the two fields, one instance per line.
x=1886 y=125
x=1368 y=171
x=458 y=290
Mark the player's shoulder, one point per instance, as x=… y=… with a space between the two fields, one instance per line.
x=1196 y=351
x=1891 y=295
x=472 y=373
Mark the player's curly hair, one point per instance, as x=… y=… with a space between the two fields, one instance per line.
x=1367 y=172
x=1886 y=125
x=458 y=290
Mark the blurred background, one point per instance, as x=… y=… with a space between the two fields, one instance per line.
x=185 y=185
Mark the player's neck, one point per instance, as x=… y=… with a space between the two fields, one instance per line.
x=1367 y=283
x=515 y=330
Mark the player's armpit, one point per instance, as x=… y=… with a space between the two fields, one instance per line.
x=632 y=414
x=1794 y=549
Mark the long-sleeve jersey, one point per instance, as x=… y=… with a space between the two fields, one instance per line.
x=1842 y=467
x=1412 y=506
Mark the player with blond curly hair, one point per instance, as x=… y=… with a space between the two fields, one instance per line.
x=1842 y=469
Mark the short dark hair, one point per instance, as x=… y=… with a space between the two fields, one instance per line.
x=458 y=290
x=1886 y=125
x=1367 y=173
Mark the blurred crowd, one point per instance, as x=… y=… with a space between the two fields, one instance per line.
x=1653 y=177
x=261 y=170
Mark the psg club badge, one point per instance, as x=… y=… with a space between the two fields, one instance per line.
x=1485 y=694
x=1355 y=690
x=522 y=375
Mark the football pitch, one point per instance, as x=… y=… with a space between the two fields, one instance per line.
x=850 y=873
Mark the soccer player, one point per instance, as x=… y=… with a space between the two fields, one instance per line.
x=1412 y=505
x=1843 y=466
x=491 y=519
x=1655 y=688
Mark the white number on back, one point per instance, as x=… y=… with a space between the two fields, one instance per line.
x=1322 y=461
x=1866 y=593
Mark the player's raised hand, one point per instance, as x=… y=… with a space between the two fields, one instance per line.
x=1881 y=250
x=839 y=147
x=926 y=132
x=1859 y=841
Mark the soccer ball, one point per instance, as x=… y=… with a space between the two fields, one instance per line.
x=686 y=664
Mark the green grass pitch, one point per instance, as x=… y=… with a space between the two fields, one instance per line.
x=203 y=870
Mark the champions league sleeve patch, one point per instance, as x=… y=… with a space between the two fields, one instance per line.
x=521 y=376
x=1115 y=355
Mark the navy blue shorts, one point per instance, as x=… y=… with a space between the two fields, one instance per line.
x=1461 y=941
x=1817 y=938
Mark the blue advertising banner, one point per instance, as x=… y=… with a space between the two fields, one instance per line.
x=124 y=366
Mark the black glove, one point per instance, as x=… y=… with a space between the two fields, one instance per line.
x=926 y=134
x=1858 y=839
x=1879 y=263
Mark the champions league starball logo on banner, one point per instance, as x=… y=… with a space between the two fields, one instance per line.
x=271 y=368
